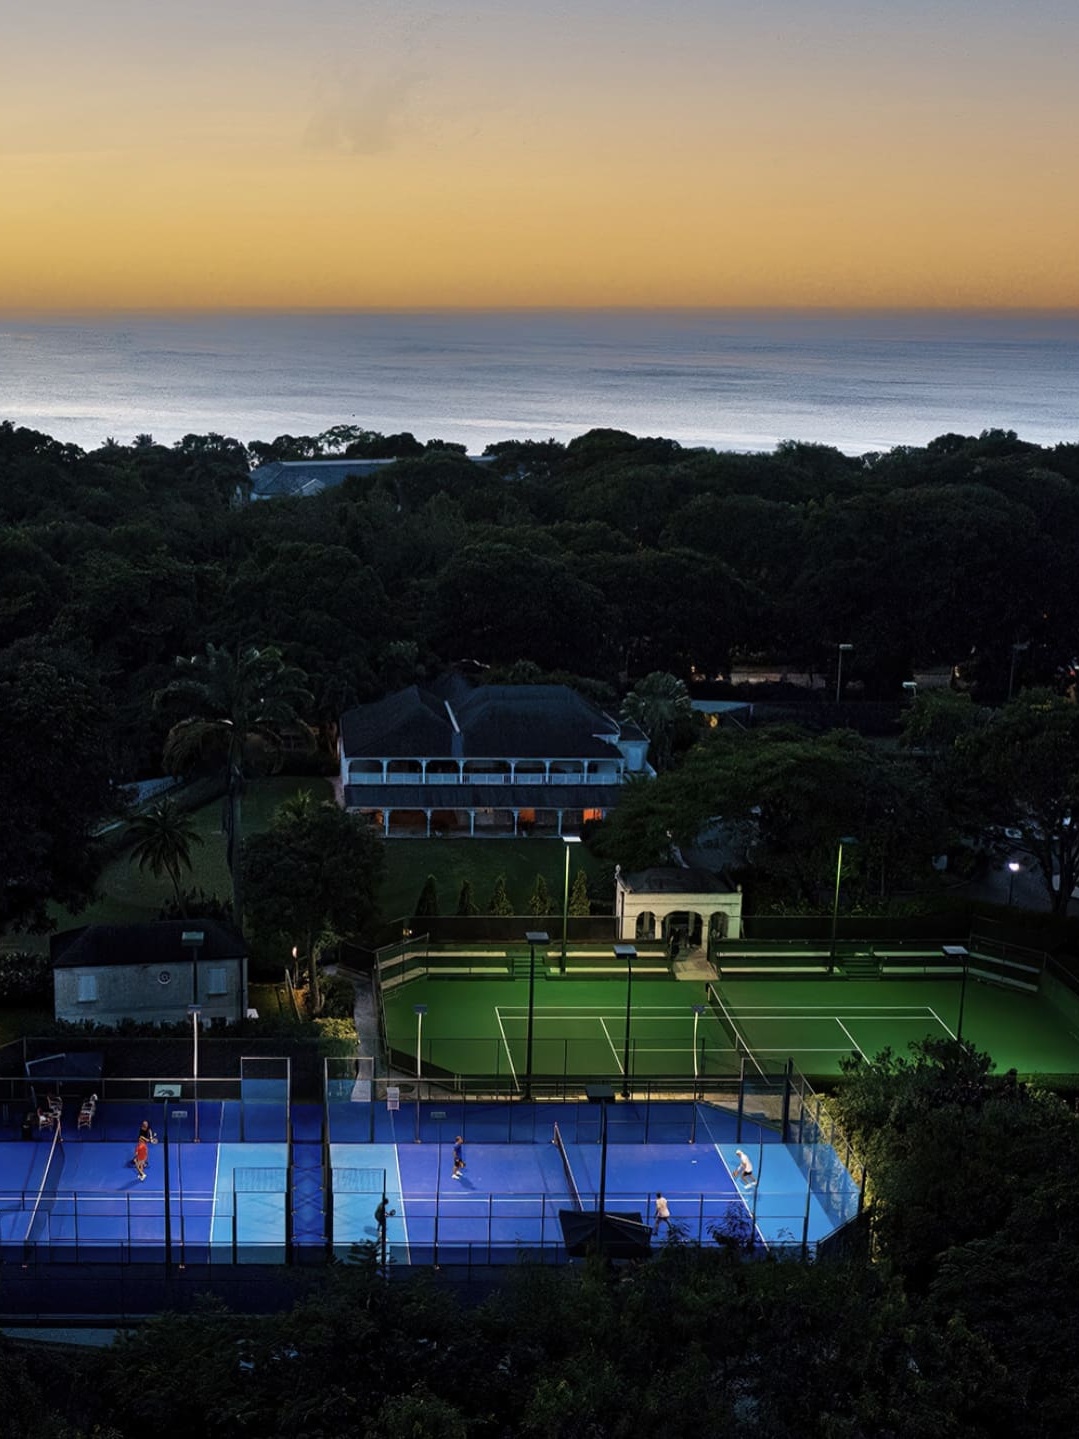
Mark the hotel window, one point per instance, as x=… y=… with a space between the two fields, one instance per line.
x=87 y=988
x=216 y=983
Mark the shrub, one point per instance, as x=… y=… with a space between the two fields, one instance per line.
x=25 y=978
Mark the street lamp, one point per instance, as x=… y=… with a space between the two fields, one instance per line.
x=911 y=687
x=567 y=840
x=419 y=1010
x=534 y=937
x=843 y=650
x=848 y=840
x=194 y=1010
x=628 y=952
x=959 y=953
x=1013 y=869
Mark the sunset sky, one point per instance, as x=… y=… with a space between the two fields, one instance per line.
x=363 y=153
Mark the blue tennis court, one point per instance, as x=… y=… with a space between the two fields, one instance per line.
x=78 y=1195
x=507 y=1202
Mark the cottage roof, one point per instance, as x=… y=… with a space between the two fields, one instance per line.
x=97 y=945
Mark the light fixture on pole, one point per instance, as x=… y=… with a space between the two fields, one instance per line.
x=534 y=937
x=848 y=840
x=843 y=650
x=911 y=687
x=195 y=1010
x=628 y=952
x=419 y=1010
x=567 y=840
x=959 y=954
x=1013 y=869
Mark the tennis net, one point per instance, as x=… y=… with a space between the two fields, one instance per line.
x=37 y=1228
x=726 y=1022
x=571 y=1183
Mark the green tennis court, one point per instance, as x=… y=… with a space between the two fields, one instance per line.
x=473 y=1027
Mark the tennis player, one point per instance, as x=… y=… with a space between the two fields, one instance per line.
x=142 y=1153
x=663 y=1214
x=458 y=1157
x=145 y=1132
x=745 y=1168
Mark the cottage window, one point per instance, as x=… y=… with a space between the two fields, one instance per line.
x=87 y=988
x=216 y=982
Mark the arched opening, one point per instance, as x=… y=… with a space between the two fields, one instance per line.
x=646 y=925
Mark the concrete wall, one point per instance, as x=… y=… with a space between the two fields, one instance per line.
x=151 y=993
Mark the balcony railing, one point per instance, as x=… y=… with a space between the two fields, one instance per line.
x=434 y=777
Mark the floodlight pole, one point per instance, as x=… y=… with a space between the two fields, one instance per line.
x=168 y=1196
x=698 y=1010
x=628 y=952
x=843 y=650
x=195 y=1010
x=848 y=840
x=567 y=840
x=420 y=1011
x=962 y=953
x=534 y=937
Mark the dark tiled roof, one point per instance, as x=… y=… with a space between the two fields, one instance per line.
x=515 y=721
x=676 y=880
x=482 y=796
x=532 y=721
x=410 y=722
x=108 y=944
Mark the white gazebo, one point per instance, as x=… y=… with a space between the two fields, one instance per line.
x=677 y=902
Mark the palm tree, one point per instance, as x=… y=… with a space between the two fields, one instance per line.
x=163 y=836
x=658 y=703
x=244 y=706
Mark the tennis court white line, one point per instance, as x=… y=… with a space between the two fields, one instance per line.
x=703 y=1119
x=943 y=1026
x=610 y=1041
x=853 y=1042
x=213 y=1202
x=401 y=1193
x=505 y=1041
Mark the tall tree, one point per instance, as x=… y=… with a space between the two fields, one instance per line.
x=579 y=901
x=1029 y=755
x=164 y=837
x=312 y=880
x=56 y=770
x=539 y=901
x=466 y=905
x=427 y=904
x=244 y=705
x=500 y=902
x=660 y=704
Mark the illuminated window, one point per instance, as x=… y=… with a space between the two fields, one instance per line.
x=591 y=814
x=87 y=988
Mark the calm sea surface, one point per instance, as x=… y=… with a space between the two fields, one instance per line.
x=731 y=379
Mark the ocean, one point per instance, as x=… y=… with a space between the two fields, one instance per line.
x=728 y=379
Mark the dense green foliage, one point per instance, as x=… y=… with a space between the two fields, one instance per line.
x=610 y=558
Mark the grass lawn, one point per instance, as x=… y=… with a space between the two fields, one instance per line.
x=410 y=861
x=133 y=896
